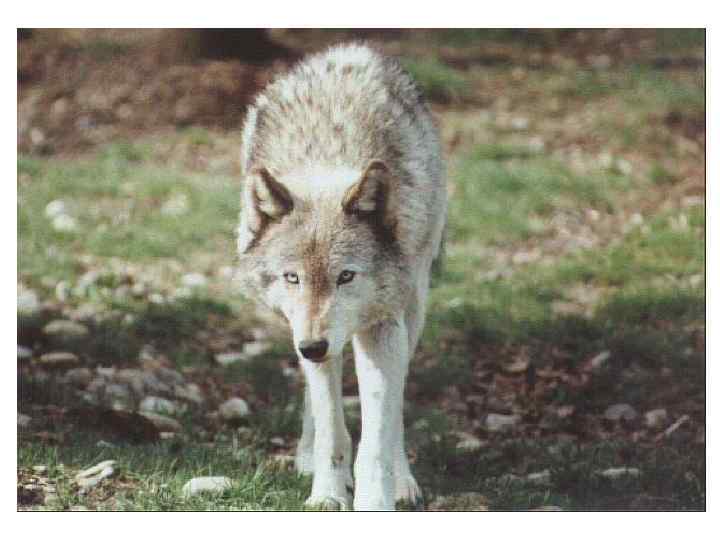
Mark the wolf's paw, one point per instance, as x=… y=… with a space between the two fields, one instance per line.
x=327 y=504
x=408 y=493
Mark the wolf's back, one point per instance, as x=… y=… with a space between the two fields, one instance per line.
x=344 y=108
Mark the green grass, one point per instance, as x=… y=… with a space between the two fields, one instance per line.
x=439 y=82
x=507 y=193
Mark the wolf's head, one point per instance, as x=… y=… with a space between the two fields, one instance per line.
x=320 y=249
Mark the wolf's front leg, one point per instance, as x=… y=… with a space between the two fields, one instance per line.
x=330 y=441
x=381 y=356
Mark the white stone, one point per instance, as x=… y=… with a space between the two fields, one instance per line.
x=55 y=208
x=501 y=422
x=469 y=443
x=656 y=419
x=206 y=484
x=64 y=223
x=194 y=280
x=27 y=301
x=155 y=404
x=23 y=420
x=190 y=392
x=94 y=475
x=618 y=472
x=256 y=348
x=621 y=411
x=234 y=408
x=58 y=359
x=23 y=353
x=63 y=327
x=599 y=360
x=229 y=358
x=177 y=205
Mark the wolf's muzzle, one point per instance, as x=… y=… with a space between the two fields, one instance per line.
x=314 y=350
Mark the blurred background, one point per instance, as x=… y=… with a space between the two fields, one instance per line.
x=563 y=364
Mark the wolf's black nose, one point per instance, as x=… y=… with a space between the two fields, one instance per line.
x=313 y=350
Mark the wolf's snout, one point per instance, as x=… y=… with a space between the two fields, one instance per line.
x=313 y=350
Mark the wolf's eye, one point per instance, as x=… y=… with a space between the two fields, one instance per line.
x=291 y=277
x=346 y=276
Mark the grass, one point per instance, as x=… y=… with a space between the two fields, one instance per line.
x=439 y=81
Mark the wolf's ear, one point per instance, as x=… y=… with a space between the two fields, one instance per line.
x=269 y=197
x=367 y=195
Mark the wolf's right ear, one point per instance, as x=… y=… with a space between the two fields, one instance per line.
x=266 y=200
x=268 y=196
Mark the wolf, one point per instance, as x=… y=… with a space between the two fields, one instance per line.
x=344 y=205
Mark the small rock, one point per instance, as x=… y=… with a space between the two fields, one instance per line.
x=618 y=472
x=40 y=469
x=229 y=358
x=96 y=474
x=163 y=423
x=541 y=478
x=27 y=301
x=277 y=441
x=194 y=280
x=177 y=205
x=256 y=348
x=206 y=484
x=23 y=420
x=468 y=442
x=104 y=444
x=518 y=366
x=599 y=360
x=154 y=404
x=621 y=411
x=565 y=411
x=64 y=223
x=547 y=508
x=190 y=392
x=55 y=208
x=58 y=360
x=234 y=408
x=23 y=353
x=656 y=419
x=107 y=372
x=80 y=377
x=65 y=328
x=501 y=422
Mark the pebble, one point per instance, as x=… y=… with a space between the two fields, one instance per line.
x=621 y=411
x=107 y=372
x=96 y=474
x=501 y=422
x=618 y=472
x=27 y=301
x=547 y=508
x=656 y=419
x=154 y=404
x=23 y=353
x=190 y=392
x=58 y=359
x=23 y=420
x=78 y=376
x=61 y=327
x=234 y=408
x=163 y=423
x=599 y=360
x=194 y=280
x=64 y=223
x=229 y=358
x=55 y=208
x=206 y=484
x=469 y=443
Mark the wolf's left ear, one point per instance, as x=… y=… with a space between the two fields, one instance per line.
x=368 y=195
